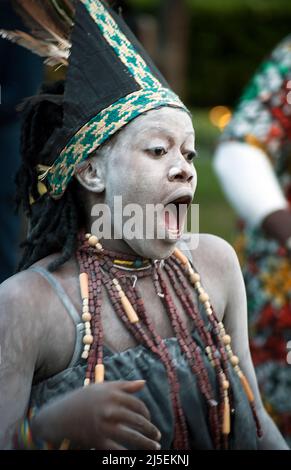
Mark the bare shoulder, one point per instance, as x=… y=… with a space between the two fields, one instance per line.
x=30 y=313
x=21 y=321
x=215 y=250
x=19 y=290
x=217 y=263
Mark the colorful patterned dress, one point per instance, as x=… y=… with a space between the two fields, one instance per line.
x=263 y=119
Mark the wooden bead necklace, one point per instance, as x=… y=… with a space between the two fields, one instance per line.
x=100 y=267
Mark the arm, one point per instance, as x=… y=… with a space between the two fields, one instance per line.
x=247 y=175
x=235 y=321
x=253 y=144
x=19 y=352
x=101 y=416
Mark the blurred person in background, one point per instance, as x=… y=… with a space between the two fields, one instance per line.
x=253 y=162
x=14 y=63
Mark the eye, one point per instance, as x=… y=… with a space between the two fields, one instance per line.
x=190 y=156
x=157 y=151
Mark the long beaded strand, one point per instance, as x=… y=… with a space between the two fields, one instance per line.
x=98 y=270
x=226 y=339
x=146 y=334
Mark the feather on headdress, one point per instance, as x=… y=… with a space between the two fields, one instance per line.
x=110 y=79
x=50 y=23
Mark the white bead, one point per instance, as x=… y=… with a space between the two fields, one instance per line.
x=226 y=339
x=93 y=240
x=88 y=339
x=234 y=360
x=203 y=297
x=85 y=355
x=86 y=317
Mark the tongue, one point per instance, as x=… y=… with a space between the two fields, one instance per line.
x=171 y=221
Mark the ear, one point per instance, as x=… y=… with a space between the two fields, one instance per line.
x=91 y=174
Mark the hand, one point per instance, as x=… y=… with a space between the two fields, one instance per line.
x=277 y=225
x=101 y=416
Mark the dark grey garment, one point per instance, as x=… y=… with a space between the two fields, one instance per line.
x=140 y=363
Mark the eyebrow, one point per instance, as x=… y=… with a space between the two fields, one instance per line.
x=165 y=131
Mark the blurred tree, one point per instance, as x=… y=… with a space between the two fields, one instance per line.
x=174 y=42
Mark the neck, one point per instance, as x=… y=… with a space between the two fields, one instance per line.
x=118 y=246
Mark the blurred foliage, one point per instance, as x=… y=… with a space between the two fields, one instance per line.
x=221 y=5
x=228 y=40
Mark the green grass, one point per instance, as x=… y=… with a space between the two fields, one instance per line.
x=216 y=215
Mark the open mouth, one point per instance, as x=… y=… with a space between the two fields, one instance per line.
x=175 y=214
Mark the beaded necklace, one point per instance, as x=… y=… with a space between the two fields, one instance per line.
x=116 y=272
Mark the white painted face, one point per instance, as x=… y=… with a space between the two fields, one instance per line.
x=150 y=162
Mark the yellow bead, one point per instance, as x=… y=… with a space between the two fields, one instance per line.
x=234 y=360
x=99 y=247
x=180 y=256
x=207 y=304
x=86 y=317
x=93 y=240
x=197 y=285
x=99 y=373
x=84 y=285
x=226 y=339
x=88 y=235
x=129 y=310
x=203 y=297
x=209 y=311
x=87 y=325
x=88 y=339
x=225 y=385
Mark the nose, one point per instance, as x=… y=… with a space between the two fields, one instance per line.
x=181 y=172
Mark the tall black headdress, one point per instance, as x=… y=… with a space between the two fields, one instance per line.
x=110 y=78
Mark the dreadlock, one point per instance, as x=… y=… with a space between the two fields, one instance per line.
x=53 y=224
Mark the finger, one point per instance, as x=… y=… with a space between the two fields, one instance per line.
x=133 y=438
x=134 y=404
x=139 y=423
x=112 y=445
x=130 y=386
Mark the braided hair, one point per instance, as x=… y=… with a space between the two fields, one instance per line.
x=53 y=224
